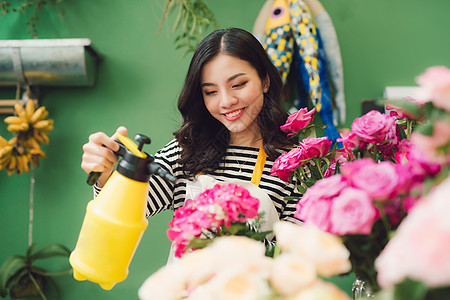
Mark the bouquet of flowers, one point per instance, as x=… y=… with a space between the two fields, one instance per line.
x=363 y=191
x=236 y=267
x=423 y=271
x=220 y=211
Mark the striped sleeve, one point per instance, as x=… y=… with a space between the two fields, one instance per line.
x=160 y=192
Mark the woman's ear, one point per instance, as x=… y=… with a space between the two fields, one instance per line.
x=266 y=84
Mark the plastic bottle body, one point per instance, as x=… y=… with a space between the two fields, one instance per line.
x=112 y=229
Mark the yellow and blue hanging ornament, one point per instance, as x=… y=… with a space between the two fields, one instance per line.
x=293 y=43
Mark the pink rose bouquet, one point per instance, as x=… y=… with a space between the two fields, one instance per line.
x=387 y=165
x=299 y=121
x=307 y=162
x=222 y=210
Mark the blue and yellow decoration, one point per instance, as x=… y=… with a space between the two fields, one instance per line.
x=293 y=43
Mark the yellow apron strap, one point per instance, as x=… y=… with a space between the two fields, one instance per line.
x=259 y=166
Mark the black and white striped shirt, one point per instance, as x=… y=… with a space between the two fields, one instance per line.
x=237 y=164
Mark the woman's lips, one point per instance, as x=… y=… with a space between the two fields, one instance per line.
x=234 y=115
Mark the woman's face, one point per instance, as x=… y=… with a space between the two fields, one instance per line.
x=234 y=94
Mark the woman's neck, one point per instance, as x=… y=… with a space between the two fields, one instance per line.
x=246 y=141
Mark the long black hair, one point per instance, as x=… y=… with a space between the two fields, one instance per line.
x=204 y=139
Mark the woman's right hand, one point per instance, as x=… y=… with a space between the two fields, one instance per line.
x=98 y=154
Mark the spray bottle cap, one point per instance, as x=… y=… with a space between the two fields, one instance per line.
x=135 y=164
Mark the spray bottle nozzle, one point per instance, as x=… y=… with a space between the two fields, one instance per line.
x=135 y=164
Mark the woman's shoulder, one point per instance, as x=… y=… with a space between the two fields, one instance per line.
x=171 y=148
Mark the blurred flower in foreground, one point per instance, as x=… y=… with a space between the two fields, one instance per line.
x=425 y=235
x=235 y=267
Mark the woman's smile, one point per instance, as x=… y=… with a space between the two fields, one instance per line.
x=234 y=115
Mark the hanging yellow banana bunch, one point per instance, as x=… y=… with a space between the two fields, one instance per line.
x=31 y=128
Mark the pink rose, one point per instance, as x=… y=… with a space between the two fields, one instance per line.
x=329 y=172
x=341 y=156
x=390 y=142
x=409 y=202
x=315 y=147
x=350 y=140
x=373 y=126
x=352 y=212
x=402 y=153
x=405 y=177
x=423 y=164
x=298 y=120
x=435 y=86
x=314 y=206
x=326 y=188
x=316 y=212
x=379 y=180
x=286 y=163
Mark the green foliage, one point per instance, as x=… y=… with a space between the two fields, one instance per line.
x=237 y=228
x=20 y=277
x=33 y=8
x=193 y=18
x=364 y=249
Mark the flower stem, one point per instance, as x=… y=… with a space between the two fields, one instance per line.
x=375 y=153
x=301 y=174
x=317 y=161
x=383 y=215
x=409 y=127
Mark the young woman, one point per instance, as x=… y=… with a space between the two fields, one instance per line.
x=232 y=111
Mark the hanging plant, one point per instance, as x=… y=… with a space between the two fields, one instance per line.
x=20 y=277
x=193 y=18
x=33 y=8
x=31 y=128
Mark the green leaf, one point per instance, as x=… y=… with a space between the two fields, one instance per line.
x=337 y=170
x=30 y=250
x=401 y=132
x=8 y=269
x=425 y=128
x=301 y=189
x=259 y=236
x=310 y=182
x=410 y=290
x=199 y=243
x=438 y=293
x=235 y=228
x=51 y=251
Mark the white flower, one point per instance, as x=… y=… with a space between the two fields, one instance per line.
x=165 y=284
x=239 y=251
x=326 y=250
x=292 y=273
x=233 y=283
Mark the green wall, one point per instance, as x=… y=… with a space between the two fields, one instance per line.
x=383 y=42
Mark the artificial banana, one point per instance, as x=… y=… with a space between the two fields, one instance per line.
x=31 y=128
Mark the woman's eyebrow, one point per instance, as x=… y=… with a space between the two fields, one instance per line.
x=228 y=80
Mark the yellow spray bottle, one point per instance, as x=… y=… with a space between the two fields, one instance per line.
x=115 y=220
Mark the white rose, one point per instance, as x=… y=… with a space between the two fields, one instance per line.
x=234 y=283
x=292 y=273
x=326 y=250
x=165 y=284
